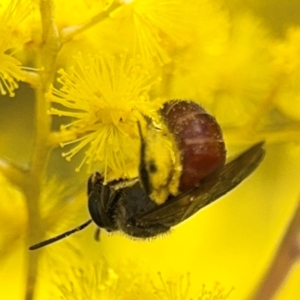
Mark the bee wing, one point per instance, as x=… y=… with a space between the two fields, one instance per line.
x=179 y=208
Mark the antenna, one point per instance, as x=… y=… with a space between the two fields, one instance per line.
x=59 y=237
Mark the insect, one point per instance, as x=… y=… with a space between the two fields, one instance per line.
x=203 y=177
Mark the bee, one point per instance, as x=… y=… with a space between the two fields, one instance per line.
x=138 y=207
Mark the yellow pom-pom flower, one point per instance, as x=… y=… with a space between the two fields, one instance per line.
x=10 y=68
x=156 y=28
x=105 y=96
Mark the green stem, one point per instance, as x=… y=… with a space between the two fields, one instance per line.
x=70 y=32
x=41 y=151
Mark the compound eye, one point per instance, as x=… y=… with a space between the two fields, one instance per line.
x=94 y=207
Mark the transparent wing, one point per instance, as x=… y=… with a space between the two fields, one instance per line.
x=179 y=208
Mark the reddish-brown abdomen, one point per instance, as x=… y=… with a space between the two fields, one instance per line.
x=199 y=140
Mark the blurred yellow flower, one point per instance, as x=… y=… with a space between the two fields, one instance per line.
x=11 y=230
x=185 y=287
x=96 y=281
x=228 y=69
x=156 y=28
x=100 y=281
x=286 y=54
x=10 y=41
x=243 y=77
x=197 y=64
x=105 y=96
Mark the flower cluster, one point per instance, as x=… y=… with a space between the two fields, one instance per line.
x=10 y=41
x=155 y=28
x=105 y=96
x=100 y=280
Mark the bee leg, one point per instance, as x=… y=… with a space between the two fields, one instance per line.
x=97 y=234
